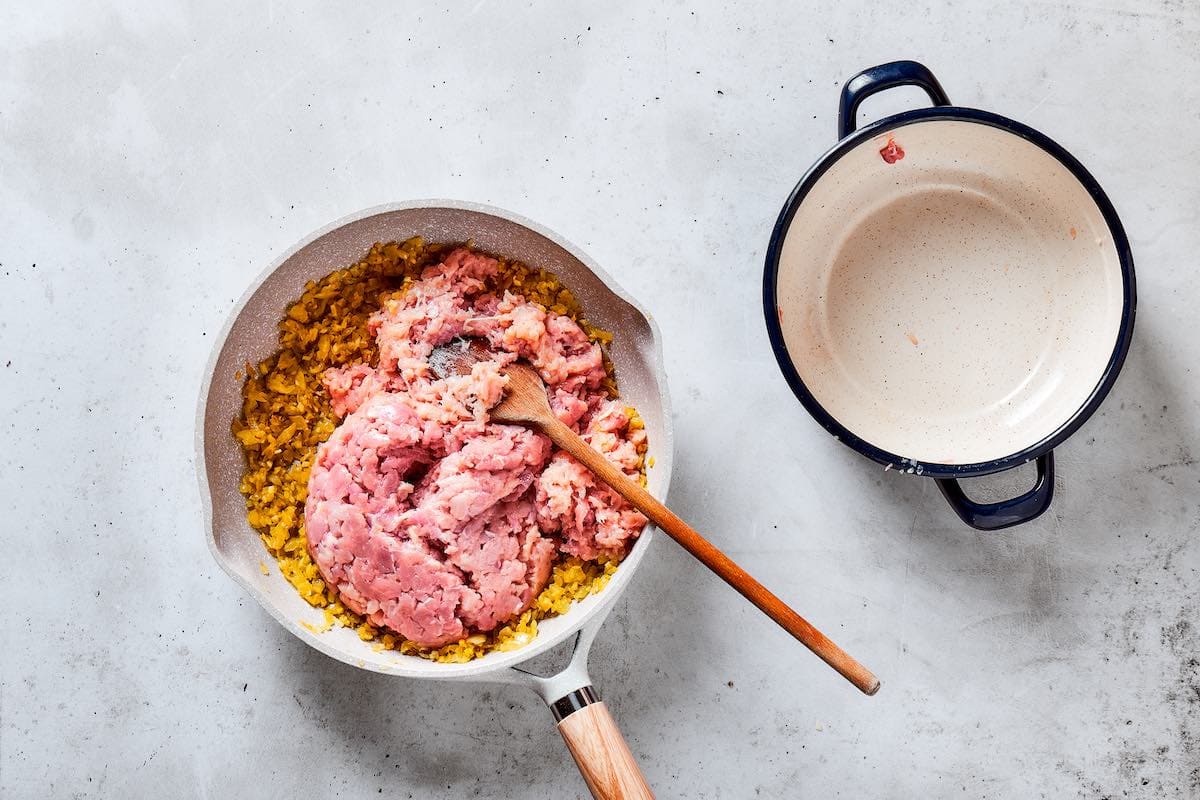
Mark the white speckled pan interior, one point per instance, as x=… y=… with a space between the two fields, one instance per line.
x=956 y=306
x=251 y=334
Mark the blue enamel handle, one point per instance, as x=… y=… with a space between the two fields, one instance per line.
x=885 y=76
x=1005 y=514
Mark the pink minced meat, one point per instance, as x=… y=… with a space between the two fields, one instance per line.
x=428 y=518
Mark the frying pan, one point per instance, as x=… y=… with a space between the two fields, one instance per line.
x=250 y=335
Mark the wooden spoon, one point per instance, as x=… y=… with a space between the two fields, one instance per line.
x=525 y=403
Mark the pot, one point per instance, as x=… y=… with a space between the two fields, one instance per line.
x=949 y=293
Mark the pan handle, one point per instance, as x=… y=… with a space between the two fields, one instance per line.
x=586 y=726
x=1005 y=514
x=598 y=747
x=885 y=76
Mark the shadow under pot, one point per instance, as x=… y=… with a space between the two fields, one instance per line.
x=949 y=293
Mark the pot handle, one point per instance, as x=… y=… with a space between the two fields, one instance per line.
x=885 y=76
x=599 y=750
x=1005 y=514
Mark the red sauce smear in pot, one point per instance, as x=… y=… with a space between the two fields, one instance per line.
x=891 y=151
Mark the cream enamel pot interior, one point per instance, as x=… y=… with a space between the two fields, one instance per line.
x=950 y=293
x=250 y=335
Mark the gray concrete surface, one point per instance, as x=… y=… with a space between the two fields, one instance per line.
x=154 y=157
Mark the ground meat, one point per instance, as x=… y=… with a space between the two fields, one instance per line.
x=426 y=517
x=591 y=518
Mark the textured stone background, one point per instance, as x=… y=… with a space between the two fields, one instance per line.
x=154 y=157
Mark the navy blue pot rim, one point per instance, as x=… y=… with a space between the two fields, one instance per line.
x=899 y=462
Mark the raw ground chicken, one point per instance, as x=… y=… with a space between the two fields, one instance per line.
x=427 y=518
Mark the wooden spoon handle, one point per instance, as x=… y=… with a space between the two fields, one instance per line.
x=712 y=558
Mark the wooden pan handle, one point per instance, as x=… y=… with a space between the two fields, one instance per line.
x=713 y=558
x=599 y=749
